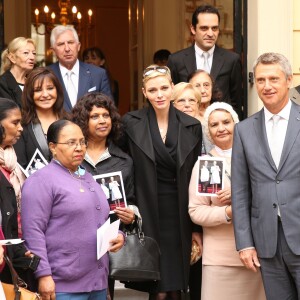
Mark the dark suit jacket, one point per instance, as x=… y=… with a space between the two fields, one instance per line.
x=140 y=148
x=295 y=94
x=9 y=88
x=27 y=145
x=226 y=70
x=91 y=78
x=258 y=187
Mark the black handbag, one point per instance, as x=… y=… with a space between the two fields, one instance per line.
x=137 y=260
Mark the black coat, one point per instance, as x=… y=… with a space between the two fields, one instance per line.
x=27 y=145
x=9 y=88
x=9 y=212
x=140 y=147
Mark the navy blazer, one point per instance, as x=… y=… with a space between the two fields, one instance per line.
x=91 y=79
x=9 y=88
x=226 y=71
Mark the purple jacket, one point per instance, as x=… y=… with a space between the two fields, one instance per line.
x=59 y=224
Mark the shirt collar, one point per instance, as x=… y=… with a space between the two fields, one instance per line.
x=284 y=113
x=199 y=51
x=75 y=69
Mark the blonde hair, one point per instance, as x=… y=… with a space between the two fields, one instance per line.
x=13 y=47
x=182 y=86
x=156 y=73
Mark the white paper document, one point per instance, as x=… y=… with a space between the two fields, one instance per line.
x=106 y=233
x=2 y=296
x=11 y=242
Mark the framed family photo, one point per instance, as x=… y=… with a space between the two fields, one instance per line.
x=113 y=188
x=210 y=177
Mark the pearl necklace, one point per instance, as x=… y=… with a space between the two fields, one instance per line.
x=81 y=190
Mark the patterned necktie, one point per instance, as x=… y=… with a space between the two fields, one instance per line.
x=206 y=67
x=71 y=89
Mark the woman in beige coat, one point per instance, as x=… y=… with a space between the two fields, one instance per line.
x=223 y=275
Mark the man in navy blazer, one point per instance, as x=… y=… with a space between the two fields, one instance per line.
x=85 y=77
x=223 y=65
x=265 y=180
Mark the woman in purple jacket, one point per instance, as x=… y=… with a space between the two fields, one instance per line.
x=62 y=208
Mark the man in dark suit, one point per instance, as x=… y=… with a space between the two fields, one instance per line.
x=265 y=182
x=76 y=77
x=223 y=65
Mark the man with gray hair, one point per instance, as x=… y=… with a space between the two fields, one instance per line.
x=265 y=182
x=76 y=77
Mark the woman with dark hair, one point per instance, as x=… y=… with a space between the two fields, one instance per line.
x=42 y=105
x=11 y=181
x=96 y=57
x=97 y=116
x=164 y=144
x=69 y=208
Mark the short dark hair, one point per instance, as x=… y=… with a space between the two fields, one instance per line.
x=81 y=114
x=161 y=55
x=6 y=105
x=28 y=105
x=93 y=50
x=204 y=9
x=55 y=129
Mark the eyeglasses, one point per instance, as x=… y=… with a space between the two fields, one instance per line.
x=182 y=102
x=160 y=69
x=74 y=144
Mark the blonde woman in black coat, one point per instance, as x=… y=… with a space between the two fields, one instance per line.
x=164 y=144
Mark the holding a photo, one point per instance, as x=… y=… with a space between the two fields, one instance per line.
x=212 y=210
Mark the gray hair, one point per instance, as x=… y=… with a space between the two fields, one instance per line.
x=270 y=58
x=58 y=30
x=218 y=106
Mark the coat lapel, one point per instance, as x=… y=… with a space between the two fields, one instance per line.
x=190 y=60
x=84 y=80
x=292 y=133
x=140 y=133
x=187 y=141
x=261 y=134
x=217 y=63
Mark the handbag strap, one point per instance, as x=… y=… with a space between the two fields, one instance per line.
x=15 y=277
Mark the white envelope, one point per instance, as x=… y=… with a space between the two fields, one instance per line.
x=92 y=89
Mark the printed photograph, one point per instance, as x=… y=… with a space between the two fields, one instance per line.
x=210 y=175
x=113 y=188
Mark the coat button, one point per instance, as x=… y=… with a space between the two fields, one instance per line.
x=277 y=181
x=8 y=213
x=98 y=207
x=274 y=205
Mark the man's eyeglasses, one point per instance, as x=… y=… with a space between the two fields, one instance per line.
x=160 y=69
x=74 y=144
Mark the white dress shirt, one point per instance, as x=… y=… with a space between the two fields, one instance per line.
x=199 y=57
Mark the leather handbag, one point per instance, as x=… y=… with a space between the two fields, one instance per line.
x=138 y=259
x=15 y=291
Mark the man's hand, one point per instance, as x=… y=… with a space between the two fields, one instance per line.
x=249 y=259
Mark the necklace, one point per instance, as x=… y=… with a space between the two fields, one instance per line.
x=81 y=190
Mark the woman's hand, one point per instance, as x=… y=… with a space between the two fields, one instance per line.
x=197 y=237
x=1 y=255
x=224 y=196
x=117 y=243
x=125 y=214
x=47 y=288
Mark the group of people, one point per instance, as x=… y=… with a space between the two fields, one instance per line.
x=246 y=232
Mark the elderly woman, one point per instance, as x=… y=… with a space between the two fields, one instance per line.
x=100 y=122
x=164 y=144
x=42 y=104
x=221 y=263
x=11 y=180
x=17 y=61
x=62 y=229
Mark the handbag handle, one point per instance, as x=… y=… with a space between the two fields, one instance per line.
x=15 y=278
